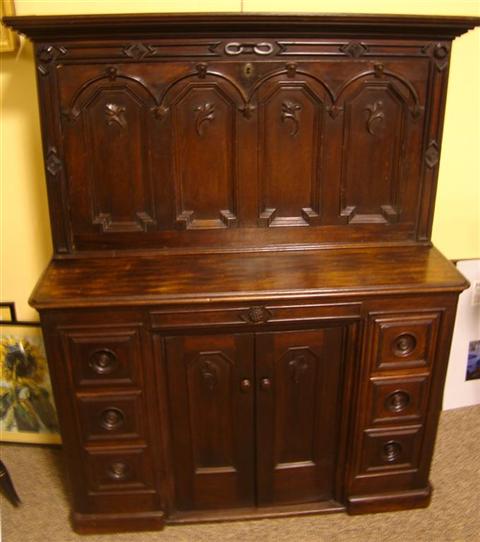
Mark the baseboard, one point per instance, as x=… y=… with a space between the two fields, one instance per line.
x=118 y=522
x=389 y=502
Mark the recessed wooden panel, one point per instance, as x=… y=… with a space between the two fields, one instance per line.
x=210 y=379
x=290 y=127
x=103 y=357
x=118 y=469
x=405 y=340
x=111 y=416
x=390 y=450
x=204 y=147
x=298 y=378
x=108 y=137
x=398 y=400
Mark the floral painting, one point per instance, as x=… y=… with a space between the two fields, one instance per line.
x=27 y=410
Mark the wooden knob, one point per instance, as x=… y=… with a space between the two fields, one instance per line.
x=245 y=385
x=112 y=418
x=103 y=361
x=265 y=384
x=118 y=471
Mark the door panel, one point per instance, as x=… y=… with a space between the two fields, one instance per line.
x=298 y=376
x=211 y=401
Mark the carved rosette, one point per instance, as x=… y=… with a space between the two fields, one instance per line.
x=354 y=49
x=138 y=51
x=439 y=52
x=53 y=162
x=47 y=55
x=432 y=154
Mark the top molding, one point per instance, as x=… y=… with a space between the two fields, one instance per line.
x=80 y=27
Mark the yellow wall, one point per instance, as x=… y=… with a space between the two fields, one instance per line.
x=24 y=235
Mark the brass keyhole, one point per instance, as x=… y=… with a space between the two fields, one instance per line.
x=248 y=70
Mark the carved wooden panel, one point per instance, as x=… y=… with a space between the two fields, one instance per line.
x=290 y=121
x=204 y=161
x=211 y=397
x=297 y=413
x=380 y=109
x=110 y=174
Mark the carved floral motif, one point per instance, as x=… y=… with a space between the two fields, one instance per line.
x=115 y=114
x=289 y=113
x=376 y=116
x=205 y=113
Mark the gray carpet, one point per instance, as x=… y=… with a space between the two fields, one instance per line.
x=453 y=516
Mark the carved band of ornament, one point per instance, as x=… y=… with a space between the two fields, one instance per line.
x=205 y=113
x=236 y=48
x=115 y=114
x=375 y=117
x=432 y=154
x=209 y=374
x=439 y=53
x=137 y=51
x=47 y=54
x=53 y=162
x=354 y=49
x=289 y=113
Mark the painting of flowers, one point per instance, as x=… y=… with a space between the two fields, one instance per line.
x=27 y=410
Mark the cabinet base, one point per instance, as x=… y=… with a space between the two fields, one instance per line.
x=238 y=514
x=120 y=522
x=389 y=502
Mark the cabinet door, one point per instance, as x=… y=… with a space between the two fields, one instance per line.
x=211 y=402
x=298 y=406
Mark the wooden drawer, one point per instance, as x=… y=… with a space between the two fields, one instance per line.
x=404 y=340
x=112 y=469
x=111 y=416
x=390 y=449
x=398 y=400
x=104 y=357
x=253 y=315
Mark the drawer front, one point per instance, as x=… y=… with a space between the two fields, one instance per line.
x=404 y=341
x=253 y=315
x=390 y=450
x=398 y=400
x=111 y=417
x=118 y=469
x=104 y=358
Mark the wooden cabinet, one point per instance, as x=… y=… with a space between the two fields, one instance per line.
x=244 y=315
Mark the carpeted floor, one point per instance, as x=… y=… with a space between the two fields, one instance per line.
x=453 y=516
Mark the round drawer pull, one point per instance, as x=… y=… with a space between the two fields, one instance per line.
x=397 y=401
x=391 y=451
x=103 y=361
x=404 y=344
x=112 y=418
x=118 y=471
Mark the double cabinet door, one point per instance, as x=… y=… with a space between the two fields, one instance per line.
x=255 y=416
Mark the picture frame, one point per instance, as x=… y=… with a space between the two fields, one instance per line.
x=8 y=38
x=27 y=407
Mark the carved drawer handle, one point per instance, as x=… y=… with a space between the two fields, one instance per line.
x=103 y=361
x=112 y=418
x=256 y=315
x=391 y=451
x=118 y=471
x=397 y=401
x=404 y=344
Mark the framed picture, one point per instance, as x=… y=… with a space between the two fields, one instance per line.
x=27 y=409
x=8 y=38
